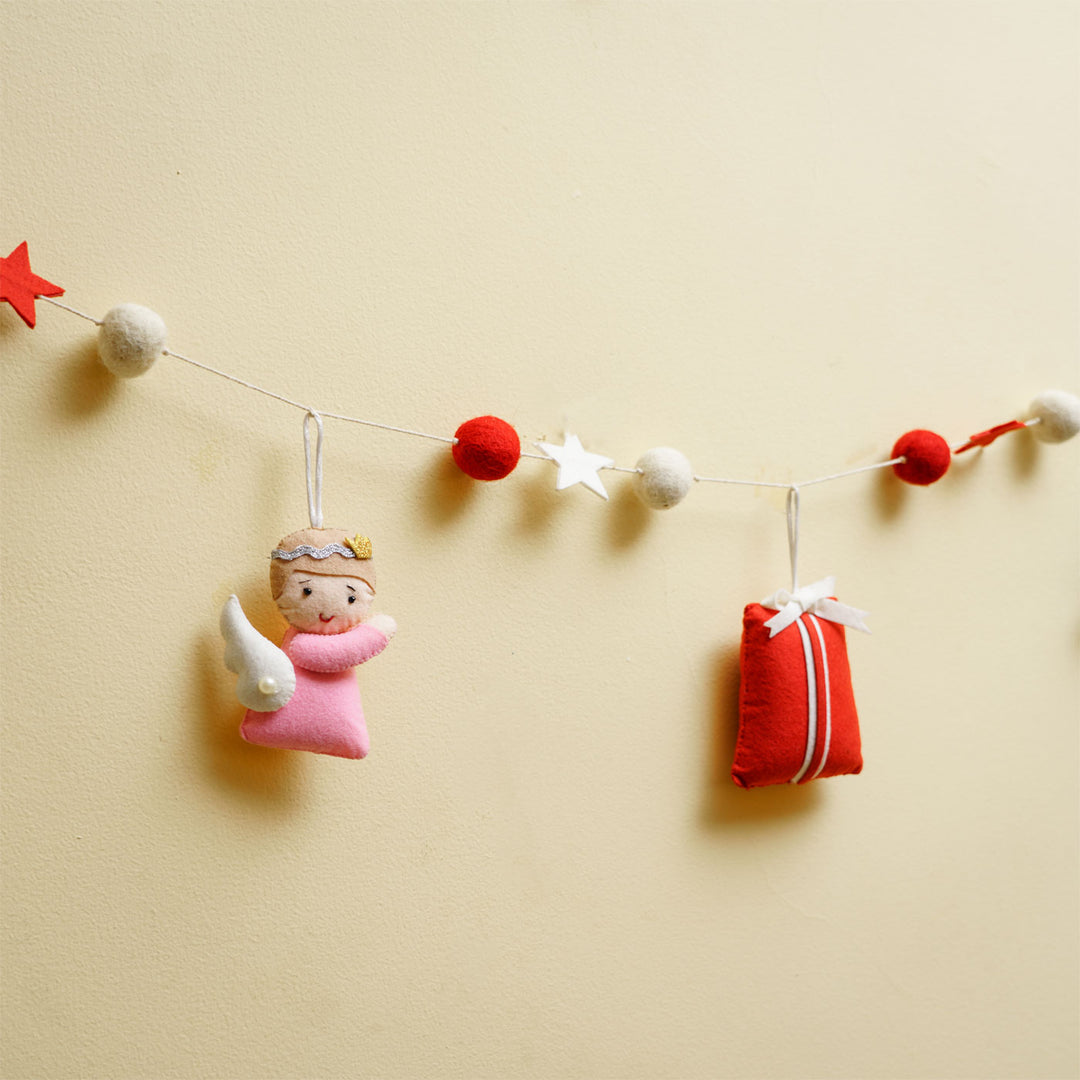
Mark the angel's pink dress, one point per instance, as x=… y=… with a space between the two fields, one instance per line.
x=324 y=715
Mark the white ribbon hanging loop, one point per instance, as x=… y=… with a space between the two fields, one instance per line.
x=793 y=533
x=314 y=476
x=815 y=599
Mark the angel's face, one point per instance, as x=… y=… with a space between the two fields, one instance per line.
x=324 y=603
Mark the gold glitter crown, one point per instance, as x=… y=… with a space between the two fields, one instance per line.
x=361 y=546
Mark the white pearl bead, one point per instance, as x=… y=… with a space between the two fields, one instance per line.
x=267 y=685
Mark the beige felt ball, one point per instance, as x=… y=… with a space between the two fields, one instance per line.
x=664 y=477
x=1058 y=413
x=130 y=339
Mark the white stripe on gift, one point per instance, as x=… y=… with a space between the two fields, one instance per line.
x=828 y=697
x=811 y=685
x=811 y=699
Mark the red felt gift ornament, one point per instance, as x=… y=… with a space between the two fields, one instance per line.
x=797 y=717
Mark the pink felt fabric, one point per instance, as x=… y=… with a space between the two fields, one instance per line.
x=325 y=714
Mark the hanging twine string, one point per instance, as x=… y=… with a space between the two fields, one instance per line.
x=81 y=314
x=297 y=405
x=982 y=440
x=314 y=476
x=800 y=483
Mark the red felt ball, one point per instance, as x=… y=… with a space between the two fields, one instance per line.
x=487 y=448
x=928 y=456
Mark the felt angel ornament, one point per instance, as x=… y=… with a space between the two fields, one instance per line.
x=304 y=696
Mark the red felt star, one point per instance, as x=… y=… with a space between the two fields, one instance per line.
x=19 y=285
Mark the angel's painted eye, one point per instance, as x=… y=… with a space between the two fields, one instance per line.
x=307 y=592
x=352 y=599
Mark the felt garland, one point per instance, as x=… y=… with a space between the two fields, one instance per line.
x=131 y=338
x=797 y=718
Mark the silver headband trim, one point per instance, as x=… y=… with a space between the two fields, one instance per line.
x=314 y=552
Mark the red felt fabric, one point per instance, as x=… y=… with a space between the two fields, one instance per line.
x=774 y=704
x=985 y=438
x=487 y=448
x=928 y=456
x=19 y=285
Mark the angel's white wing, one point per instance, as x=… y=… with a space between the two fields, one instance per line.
x=267 y=679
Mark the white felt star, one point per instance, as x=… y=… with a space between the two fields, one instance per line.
x=577 y=465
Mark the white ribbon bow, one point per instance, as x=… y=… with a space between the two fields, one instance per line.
x=816 y=600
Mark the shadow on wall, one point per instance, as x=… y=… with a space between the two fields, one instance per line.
x=450 y=495
x=449 y=491
x=630 y=517
x=726 y=805
x=1022 y=448
x=83 y=386
x=1025 y=455
x=257 y=775
x=890 y=495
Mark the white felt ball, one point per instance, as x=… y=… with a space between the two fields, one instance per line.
x=130 y=339
x=664 y=477
x=1058 y=413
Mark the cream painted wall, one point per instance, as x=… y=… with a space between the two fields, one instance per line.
x=775 y=235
